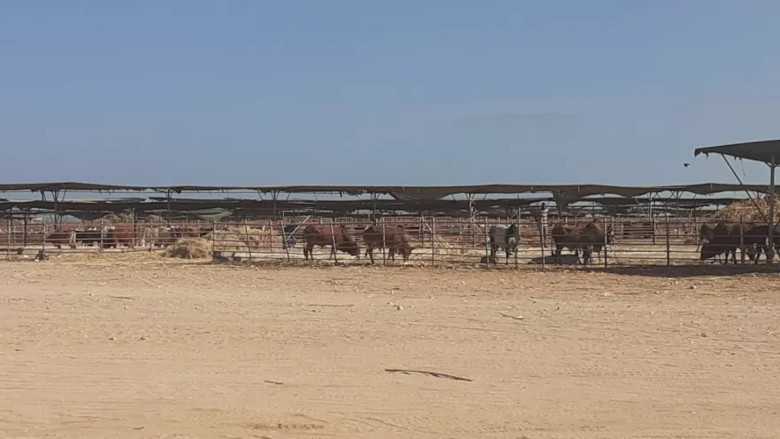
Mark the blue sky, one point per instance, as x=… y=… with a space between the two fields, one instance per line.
x=369 y=92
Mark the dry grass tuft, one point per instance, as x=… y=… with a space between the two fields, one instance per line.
x=189 y=248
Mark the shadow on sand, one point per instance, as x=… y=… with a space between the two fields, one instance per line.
x=683 y=271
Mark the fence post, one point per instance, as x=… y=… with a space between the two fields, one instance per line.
x=333 y=242
x=8 y=238
x=213 y=241
x=271 y=237
x=24 y=230
x=741 y=241
x=542 y=239
x=517 y=250
x=102 y=236
x=248 y=240
x=487 y=243
x=384 y=242
x=606 y=243
x=433 y=241
x=668 y=244
x=652 y=222
x=285 y=241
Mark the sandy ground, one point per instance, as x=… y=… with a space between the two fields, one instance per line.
x=144 y=349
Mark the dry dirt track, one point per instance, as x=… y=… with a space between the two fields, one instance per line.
x=161 y=350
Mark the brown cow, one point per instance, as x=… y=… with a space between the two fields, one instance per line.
x=60 y=237
x=325 y=235
x=395 y=239
x=118 y=235
x=588 y=238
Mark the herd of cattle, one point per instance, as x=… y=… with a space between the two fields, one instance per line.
x=721 y=239
x=724 y=239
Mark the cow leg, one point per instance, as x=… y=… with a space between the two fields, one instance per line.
x=392 y=253
x=508 y=252
x=307 y=251
x=370 y=253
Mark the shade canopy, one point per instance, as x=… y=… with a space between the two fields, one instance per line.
x=761 y=151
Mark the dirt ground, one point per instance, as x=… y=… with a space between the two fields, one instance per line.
x=141 y=348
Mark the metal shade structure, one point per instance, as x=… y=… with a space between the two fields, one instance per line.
x=767 y=151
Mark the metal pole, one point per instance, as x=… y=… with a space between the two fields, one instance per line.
x=518 y=236
x=487 y=243
x=384 y=242
x=771 y=177
x=433 y=241
x=542 y=239
x=668 y=247
x=271 y=236
x=8 y=238
x=285 y=241
x=213 y=240
x=24 y=230
x=333 y=242
x=742 y=240
x=771 y=219
x=248 y=240
x=606 y=241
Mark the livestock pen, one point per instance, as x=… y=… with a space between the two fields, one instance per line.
x=436 y=241
x=446 y=226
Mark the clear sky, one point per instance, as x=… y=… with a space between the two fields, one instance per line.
x=384 y=92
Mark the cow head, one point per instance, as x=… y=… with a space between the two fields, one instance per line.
x=406 y=250
x=349 y=246
x=708 y=251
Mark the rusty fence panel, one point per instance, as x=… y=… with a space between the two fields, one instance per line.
x=433 y=241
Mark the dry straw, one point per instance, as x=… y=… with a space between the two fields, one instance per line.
x=746 y=211
x=189 y=248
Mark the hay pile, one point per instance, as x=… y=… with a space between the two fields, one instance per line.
x=746 y=211
x=237 y=238
x=189 y=248
x=118 y=218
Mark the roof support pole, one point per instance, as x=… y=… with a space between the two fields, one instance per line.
x=771 y=221
x=758 y=209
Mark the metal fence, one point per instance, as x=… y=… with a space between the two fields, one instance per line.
x=438 y=241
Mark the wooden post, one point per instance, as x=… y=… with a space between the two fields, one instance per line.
x=248 y=240
x=668 y=246
x=433 y=241
x=384 y=242
x=333 y=242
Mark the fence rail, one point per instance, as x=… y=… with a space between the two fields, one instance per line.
x=437 y=241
